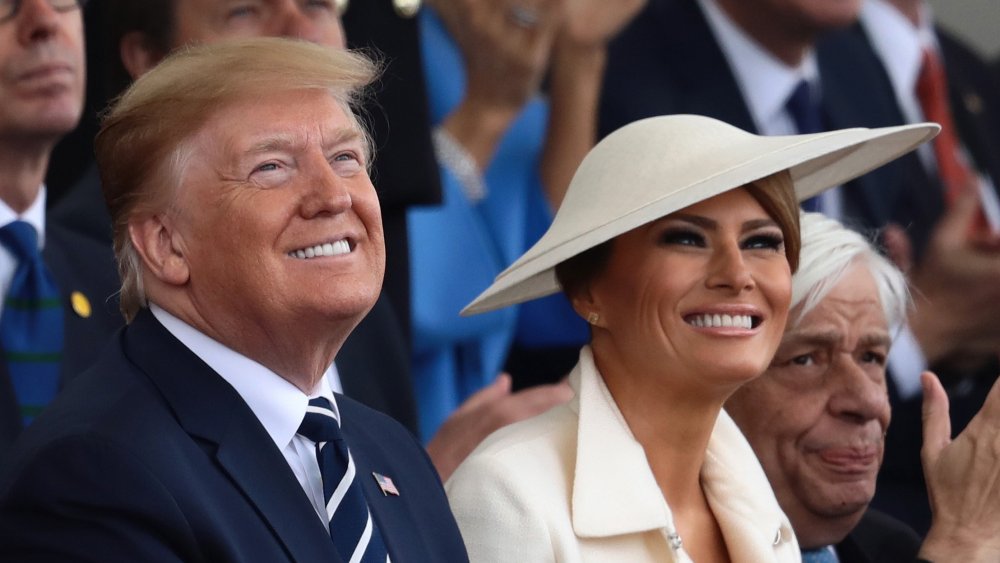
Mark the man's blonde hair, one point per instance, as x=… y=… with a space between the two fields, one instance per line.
x=144 y=139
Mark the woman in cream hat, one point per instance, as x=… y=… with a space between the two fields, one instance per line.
x=676 y=241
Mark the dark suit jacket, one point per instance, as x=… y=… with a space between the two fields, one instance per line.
x=374 y=361
x=975 y=104
x=668 y=61
x=152 y=456
x=879 y=538
x=78 y=264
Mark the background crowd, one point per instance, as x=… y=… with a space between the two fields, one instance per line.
x=482 y=113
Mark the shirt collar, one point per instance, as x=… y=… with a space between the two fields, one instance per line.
x=34 y=215
x=898 y=43
x=279 y=405
x=765 y=81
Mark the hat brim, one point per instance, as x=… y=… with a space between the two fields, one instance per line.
x=660 y=165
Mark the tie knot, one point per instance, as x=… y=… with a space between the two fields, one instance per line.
x=21 y=239
x=820 y=555
x=321 y=423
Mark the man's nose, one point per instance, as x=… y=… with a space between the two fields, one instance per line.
x=36 y=20
x=326 y=193
x=859 y=396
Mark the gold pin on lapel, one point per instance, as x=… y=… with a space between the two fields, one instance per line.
x=80 y=303
x=406 y=8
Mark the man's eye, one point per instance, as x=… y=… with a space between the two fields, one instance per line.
x=873 y=358
x=803 y=360
x=267 y=167
x=241 y=11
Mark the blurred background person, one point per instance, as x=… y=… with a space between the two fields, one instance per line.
x=676 y=241
x=935 y=77
x=57 y=310
x=817 y=417
x=506 y=153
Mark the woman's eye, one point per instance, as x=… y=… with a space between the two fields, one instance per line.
x=682 y=238
x=764 y=241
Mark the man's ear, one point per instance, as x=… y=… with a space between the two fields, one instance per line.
x=160 y=248
x=138 y=53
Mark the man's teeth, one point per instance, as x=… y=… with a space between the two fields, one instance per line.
x=328 y=249
x=722 y=321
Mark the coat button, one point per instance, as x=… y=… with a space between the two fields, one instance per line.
x=406 y=8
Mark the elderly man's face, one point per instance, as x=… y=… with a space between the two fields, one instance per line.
x=206 y=21
x=276 y=218
x=817 y=417
x=41 y=72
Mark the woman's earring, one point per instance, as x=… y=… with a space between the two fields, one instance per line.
x=593 y=317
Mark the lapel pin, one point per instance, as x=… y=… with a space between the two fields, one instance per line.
x=386 y=484
x=973 y=103
x=80 y=303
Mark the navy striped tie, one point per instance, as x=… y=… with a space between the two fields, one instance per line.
x=804 y=108
x=31 y=327
x=355 y=535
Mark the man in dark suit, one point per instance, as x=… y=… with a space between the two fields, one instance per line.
x=41 y=85
x=817 y=418
x=252 y=246
x=374 y=364
x=935 y=77
x=742 y=62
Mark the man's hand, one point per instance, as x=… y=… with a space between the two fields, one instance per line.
x=504 y=63
x=963 y=479
x=956 y=289
x=488 y=410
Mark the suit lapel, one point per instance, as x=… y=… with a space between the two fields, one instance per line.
x=209 y=409
x=10 y=412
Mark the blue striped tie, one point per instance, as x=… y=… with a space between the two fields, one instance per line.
x=31 y=327
x=355 y=535
x=821 y=555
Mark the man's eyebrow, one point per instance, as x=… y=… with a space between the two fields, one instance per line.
x=828 y=337
x=279 y=141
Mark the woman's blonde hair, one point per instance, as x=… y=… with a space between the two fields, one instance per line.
x=145 y=137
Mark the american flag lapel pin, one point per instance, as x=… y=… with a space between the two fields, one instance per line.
x=386 y=484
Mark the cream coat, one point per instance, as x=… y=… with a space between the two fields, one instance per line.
x=573 y=485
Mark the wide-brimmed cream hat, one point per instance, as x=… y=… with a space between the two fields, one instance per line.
x=651 y=168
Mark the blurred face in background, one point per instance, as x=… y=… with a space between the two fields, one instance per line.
x=42 y=70
x=205 y=21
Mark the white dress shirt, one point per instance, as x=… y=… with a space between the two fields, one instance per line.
x=766 y=83
x=279 y=405
x=35 y=215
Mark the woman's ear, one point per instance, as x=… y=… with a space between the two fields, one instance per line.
x=587 y=305
x=161 y=249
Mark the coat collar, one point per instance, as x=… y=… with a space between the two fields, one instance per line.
x=211 y=410
x=615 y=493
